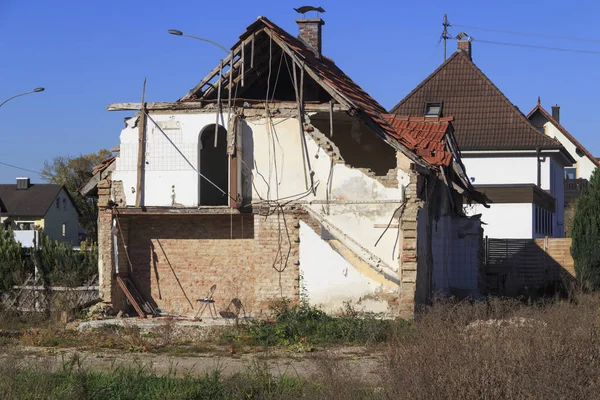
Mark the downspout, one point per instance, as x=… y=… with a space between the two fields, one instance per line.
x=539 y=167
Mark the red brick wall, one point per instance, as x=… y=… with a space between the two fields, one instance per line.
x=176 y=258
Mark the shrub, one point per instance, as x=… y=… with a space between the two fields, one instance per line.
x=303 y=323
x=586 y=235
x=60 y=265
x=11 y=260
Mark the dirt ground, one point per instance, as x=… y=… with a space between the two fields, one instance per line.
x=358 y=362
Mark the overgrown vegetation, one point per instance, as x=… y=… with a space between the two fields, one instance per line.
x=305 y=324
x=60 y=265
x=57 y=262
x=491 y=349
x=74 y=382
x=586 y=235
x=11 y=260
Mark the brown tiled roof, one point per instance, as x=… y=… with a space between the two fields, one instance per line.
x=484 y=119
x=424 y=136
x=33 y=202
x=549 y=117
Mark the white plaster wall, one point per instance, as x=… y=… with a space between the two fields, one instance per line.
x=506 y=221
x=328 y=280
x=279 y=173
x=501 y=170
x=585 y=167
x=272 y=168
x=166 y=171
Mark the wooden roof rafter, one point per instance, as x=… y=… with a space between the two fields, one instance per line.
x=236 y=51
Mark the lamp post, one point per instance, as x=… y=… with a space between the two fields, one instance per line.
x=179 y=33
x=36 y=90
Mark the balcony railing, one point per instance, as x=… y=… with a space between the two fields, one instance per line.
x=574 y=188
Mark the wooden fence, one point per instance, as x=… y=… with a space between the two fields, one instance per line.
x=519 y=266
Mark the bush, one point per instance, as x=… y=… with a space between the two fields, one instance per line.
x=586 y=235
x=11 y=260
x=303 y=323
x=60 y=265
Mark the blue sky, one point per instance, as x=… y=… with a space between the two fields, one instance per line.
x=89 y=54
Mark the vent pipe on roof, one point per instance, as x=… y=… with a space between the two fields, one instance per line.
x=310 y=32
x=23 y=183
x=556 y=112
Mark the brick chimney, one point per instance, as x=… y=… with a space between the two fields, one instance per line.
x=556 y=112
x=23 y=183
x=464 y=45
x=310 y=32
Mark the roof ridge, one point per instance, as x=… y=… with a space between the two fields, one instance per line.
x=563 y=130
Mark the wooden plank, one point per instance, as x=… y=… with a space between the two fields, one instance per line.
x=141 y=145
x=196 y=105
x=243 y=63
x=130 y=297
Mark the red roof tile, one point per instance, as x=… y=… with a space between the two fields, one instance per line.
x=424 y=136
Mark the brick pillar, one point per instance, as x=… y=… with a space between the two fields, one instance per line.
x=408 y=250
x=105 y=243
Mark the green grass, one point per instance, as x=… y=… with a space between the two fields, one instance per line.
x=73 y=382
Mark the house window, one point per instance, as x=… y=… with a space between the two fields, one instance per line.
x=24 y=225
x=570 y=173
x=64 y=230
x=58 y=203
x=64 y=204
x=433 y=109
x=214 y=167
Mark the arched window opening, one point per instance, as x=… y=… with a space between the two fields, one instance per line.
x=214 y=165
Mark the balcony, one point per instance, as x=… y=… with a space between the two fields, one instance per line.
x=574 y=188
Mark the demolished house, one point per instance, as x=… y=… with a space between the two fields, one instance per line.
x=278 y=176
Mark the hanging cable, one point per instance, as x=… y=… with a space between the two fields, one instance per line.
x=23 y=169
x=579 y=39
x=531 y=46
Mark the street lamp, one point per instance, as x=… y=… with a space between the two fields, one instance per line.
x=36 y=90
x=179 y=33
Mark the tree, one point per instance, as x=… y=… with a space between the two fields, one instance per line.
x=73 y=173
x=586 y=235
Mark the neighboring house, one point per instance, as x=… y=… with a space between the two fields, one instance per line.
x=304 y=186
x=27 y=208
x=578 y=175
x=519 y=169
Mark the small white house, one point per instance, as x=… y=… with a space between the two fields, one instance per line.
x=29 y=208
x=519 y=168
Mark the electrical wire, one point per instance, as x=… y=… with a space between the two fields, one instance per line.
x=531 y=46
x=23 y=169
x=527 y=33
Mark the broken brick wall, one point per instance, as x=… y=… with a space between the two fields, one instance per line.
x=177 y=258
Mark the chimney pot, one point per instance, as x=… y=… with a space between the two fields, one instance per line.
x=310 y=32
x=23 y=183
x=465 y=47
x=556 y=112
